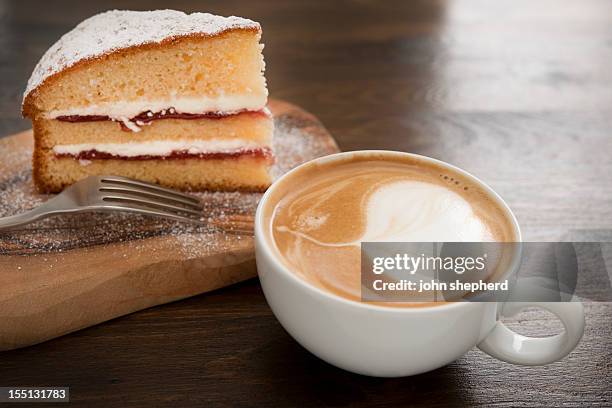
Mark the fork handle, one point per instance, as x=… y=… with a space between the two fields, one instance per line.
x=27 y=217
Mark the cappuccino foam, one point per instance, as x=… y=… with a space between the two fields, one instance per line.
x=323 y=212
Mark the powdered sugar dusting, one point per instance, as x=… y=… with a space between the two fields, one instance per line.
x=118 y=29
x=297 y=139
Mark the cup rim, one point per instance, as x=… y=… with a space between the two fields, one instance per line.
x=265 y=245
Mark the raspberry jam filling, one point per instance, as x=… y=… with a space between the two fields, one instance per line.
x=261 y=153
x=145 y=118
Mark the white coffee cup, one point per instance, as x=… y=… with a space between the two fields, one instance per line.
x=394 y=341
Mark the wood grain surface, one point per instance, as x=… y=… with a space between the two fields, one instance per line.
x=517 y=92
x=110 y=265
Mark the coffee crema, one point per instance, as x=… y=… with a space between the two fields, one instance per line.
x=321 y=214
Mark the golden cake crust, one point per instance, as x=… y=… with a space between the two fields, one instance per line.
x=28 y=107
x=123 y=31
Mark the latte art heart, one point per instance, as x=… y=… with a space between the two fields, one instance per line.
x=326 y=212
x=408 y=211
x=415 y=211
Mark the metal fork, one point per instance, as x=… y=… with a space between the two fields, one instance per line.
x=113 y=193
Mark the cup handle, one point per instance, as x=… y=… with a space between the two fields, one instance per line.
x=504 y=344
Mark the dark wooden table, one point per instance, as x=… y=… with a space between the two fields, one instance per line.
x=517 y=92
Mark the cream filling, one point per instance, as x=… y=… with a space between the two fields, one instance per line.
x=125 y=110
x=159 y=147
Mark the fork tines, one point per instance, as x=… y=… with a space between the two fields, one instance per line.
x=149 y=198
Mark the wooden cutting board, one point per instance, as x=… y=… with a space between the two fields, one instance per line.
x=66 y=273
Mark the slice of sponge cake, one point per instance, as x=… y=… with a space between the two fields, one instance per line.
x=162 y=96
